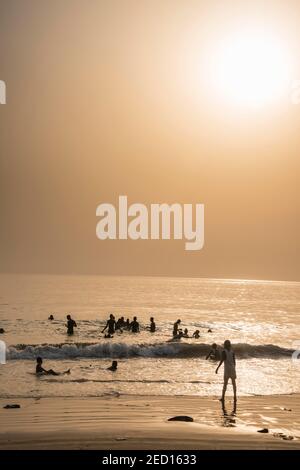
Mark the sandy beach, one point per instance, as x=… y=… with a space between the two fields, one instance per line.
x=142 y=423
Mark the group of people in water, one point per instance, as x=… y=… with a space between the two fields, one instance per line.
x=178 y=333
x=225 y=356
x=112 y=326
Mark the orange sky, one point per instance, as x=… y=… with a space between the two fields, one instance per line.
x=113 y=97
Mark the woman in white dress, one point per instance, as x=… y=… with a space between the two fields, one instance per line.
x=228 y=358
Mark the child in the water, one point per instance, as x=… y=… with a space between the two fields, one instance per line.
x=39 y=370
x=214 y=353
x=186 y=333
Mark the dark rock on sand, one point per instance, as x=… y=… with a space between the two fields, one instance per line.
x=181 y=418
x=2 y=331
x=264 y=430
x=8 y=407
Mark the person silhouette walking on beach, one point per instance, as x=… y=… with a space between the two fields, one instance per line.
x=228 y=357
x=70 y=325
x=111 y=325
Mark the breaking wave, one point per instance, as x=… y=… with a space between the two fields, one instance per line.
x=123 y=350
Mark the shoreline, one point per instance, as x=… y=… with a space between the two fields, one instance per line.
x=141 y=422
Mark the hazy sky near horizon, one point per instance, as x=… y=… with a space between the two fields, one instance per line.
x=109 y=98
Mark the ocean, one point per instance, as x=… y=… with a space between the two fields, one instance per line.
x=261 y=319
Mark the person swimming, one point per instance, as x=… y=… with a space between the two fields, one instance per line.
x=135 y=326
x=214 y=353
x=196 y=334
x=110 y=324
x=113 y=367
x=70 y=325
x=228 y=357
x=127 y=324
x=152 y=326
x=39 y=370
x=176 y=327
x=51 y=317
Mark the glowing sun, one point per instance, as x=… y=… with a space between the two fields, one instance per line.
x=251 y=68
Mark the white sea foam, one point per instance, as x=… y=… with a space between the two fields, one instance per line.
x=123 y=350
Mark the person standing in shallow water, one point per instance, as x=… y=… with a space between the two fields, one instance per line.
x=135 y=326
x=111 y=325
x=176 y=327
x=228 y=357
x=152 y=326
x=70 y=325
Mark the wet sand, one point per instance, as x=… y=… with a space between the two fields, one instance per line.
x=130 y=422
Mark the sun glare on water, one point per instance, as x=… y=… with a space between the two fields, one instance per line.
x=251 y=68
